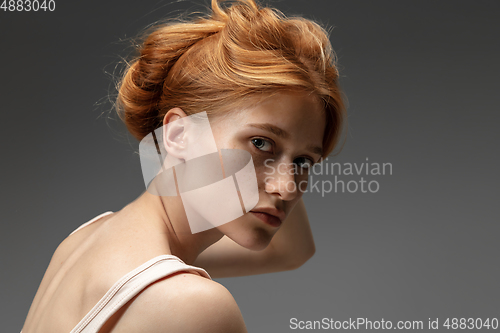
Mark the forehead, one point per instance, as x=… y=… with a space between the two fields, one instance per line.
x=295 y=113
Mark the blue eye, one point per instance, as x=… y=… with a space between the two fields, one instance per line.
x=307 y=164
x=261 y=143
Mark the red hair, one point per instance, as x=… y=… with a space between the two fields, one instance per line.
x=218 y=62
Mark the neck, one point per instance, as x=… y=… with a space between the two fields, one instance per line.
x=165 y=217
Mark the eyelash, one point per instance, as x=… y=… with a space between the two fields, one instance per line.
x=271 y=143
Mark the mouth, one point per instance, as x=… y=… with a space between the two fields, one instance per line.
x=267 y=218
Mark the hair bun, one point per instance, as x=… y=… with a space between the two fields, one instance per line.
x=142 y=85
x=216 y=62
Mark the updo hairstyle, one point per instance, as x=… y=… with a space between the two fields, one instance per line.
x=221 y=62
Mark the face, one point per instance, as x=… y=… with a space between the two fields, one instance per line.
x=284 y=135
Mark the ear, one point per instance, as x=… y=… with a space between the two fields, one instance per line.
x=174 y=133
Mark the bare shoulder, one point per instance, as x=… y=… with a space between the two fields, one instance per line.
x=185 y=303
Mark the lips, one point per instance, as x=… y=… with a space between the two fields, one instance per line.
x=269 y=215
x=268 y=219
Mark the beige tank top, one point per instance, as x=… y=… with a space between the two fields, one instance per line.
x=130 y=285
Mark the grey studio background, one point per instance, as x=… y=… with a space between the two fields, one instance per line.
x=422 y=82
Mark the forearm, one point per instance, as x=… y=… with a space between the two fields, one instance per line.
x=290 y=247
x=294 y=242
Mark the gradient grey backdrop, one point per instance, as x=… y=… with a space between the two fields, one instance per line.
x=422 y=82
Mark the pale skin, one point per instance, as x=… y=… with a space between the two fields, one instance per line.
x=87 y=263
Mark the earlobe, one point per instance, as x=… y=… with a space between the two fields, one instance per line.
x=174 y=133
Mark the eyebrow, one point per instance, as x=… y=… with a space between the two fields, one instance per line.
x=284 y=135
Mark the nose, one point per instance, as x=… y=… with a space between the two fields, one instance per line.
x=282 y=181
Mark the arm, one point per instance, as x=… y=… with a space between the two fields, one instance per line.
x=290 y=248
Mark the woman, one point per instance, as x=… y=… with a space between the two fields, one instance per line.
x=269 y=87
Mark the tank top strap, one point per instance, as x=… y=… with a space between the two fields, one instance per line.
x=130 y=285
x=91 y=221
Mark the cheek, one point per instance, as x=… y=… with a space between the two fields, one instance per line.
x=263 y=170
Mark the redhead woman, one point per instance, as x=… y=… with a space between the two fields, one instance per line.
x=268 y=86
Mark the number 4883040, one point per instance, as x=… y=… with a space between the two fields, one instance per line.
x=28 y=5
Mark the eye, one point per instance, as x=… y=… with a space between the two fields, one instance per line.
x=304 y=162
x=261 y=143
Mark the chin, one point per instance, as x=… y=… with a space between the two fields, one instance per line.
x=247 y=233
x=256 y=240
